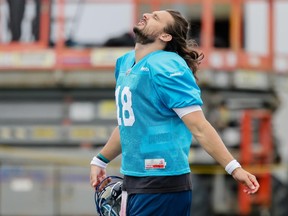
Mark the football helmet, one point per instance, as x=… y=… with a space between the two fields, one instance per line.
x=108 y=196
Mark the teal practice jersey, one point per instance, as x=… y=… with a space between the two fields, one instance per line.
x=154 y=140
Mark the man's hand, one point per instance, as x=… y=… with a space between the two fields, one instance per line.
x=97 y=174
x=247 y=179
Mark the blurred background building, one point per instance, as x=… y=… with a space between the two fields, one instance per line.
x=57 y=99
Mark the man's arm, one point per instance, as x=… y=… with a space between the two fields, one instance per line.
x=110 y=151
x=209 y=139
x=113 y=147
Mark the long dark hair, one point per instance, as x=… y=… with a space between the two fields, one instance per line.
x=180 y=44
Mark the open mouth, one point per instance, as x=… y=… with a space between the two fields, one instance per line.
x=141 y=22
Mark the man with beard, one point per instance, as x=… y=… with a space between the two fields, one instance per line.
x=158 y=109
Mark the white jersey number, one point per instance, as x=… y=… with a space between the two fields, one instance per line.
x=126 y=102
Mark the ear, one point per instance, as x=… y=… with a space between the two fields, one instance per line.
x=165 y=37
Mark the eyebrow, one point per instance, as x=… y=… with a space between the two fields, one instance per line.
x=155 y=15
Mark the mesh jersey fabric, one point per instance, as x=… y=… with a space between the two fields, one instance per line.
x=154 y=140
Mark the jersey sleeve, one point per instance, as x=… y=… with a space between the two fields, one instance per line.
x=174 y=82
x=117 y=68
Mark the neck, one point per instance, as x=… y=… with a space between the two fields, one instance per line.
x=143 y=50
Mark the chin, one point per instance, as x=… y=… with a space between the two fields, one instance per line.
x=136 y=29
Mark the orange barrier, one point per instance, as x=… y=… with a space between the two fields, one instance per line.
x=228 y=59
x=256 y=149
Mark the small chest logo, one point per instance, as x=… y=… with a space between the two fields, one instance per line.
x=144 y=69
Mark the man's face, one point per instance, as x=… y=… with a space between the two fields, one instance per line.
x=151 y=26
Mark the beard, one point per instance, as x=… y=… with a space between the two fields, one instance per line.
x=142 y=37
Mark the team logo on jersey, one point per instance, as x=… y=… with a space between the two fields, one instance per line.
x=128 y=71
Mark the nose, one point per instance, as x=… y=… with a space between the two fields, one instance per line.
x=146 y=15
